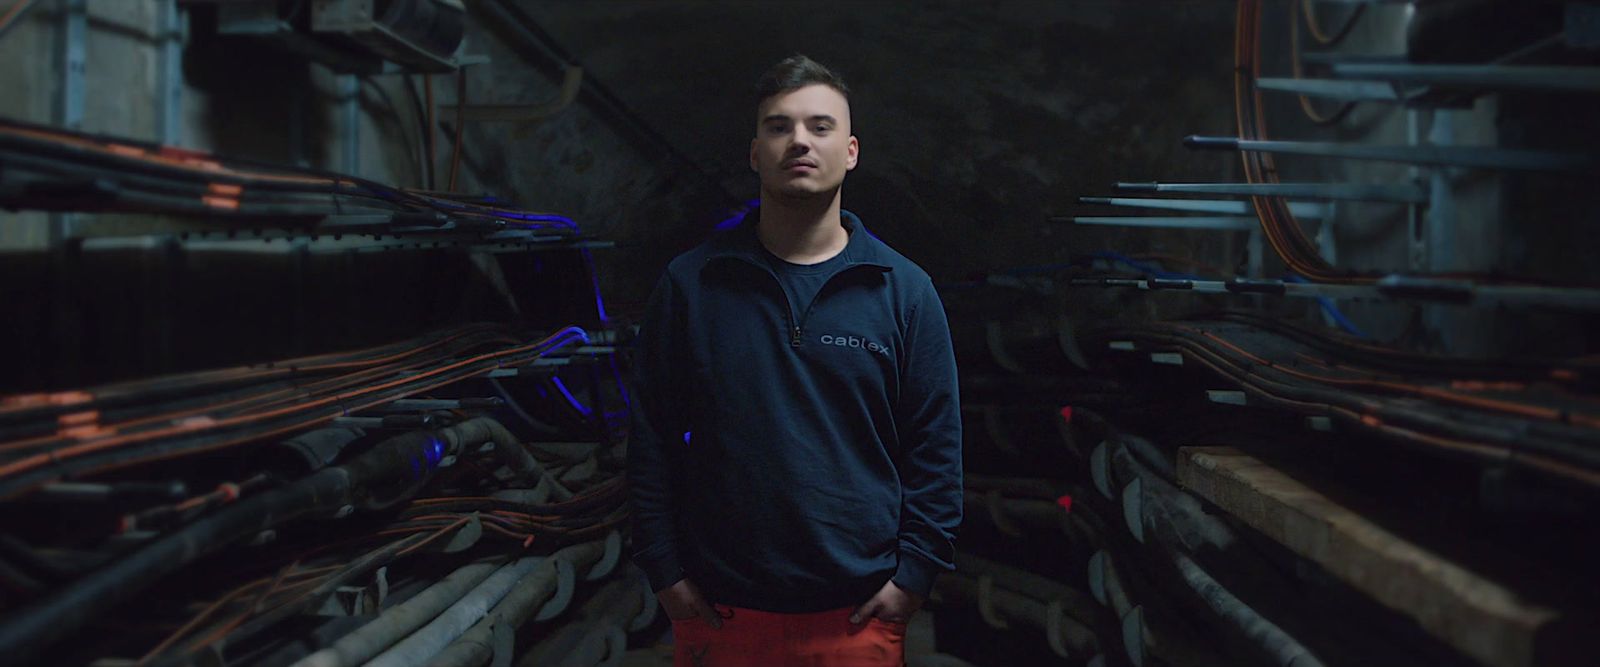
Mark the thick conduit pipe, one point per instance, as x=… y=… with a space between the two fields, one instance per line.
x=396 y=623
x=438 y=633
x=27 y=631
x=530 y=595
x=1280 y=647
x=506 y=447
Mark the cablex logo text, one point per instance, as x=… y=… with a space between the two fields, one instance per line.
x=852 y=341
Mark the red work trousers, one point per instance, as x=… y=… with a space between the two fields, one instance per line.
x=750 y=638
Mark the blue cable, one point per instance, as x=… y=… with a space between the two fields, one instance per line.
x=1327 y=304
x=1332 y=309
x=572 y=400
x=1146 y=268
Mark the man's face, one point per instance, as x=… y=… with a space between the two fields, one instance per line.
x=803 y=145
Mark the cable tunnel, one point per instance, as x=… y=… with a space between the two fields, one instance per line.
x=440 y=332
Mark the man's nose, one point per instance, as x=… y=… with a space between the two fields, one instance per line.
x=800 y=141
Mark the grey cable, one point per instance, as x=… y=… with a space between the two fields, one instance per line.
x=399 y=621
x=444 y=629
x=476 y=646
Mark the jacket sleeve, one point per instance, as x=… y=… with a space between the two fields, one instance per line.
x=928 y=420
x=657 y=429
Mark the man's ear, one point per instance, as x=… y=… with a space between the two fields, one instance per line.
x=852 y=153
x=753 y=156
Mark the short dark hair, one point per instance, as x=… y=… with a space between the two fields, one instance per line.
x=795 y=72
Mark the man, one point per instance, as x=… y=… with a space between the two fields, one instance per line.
x=795 y=459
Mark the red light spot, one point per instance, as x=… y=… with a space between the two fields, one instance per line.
x=1066 y=413
x=1065 y=502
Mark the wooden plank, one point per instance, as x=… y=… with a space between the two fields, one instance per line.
x=1478 y=617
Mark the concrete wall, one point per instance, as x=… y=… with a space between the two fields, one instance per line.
x=978 y=121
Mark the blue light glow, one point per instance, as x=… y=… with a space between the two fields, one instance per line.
x=738 y=215
x=561 y=338
x=1332 y=310
x=1146 y=268
x=508 y=214
x=535 y=217
x=594 y=280
x=622 y=387
x=570 y=398
x=686 y=437
x=434 y=451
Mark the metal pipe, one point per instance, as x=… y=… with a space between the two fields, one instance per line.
x=1553 y=78
x=1409 y=194
x=1225 y=206
x=1350 y=91
x=1221 y=223
x=1482 y=157
x=411 y=404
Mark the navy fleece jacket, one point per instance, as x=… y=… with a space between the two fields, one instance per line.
x=794 y=457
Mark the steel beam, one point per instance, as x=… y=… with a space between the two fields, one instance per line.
x=350 y=108
x=170 y=130
x=73 y=58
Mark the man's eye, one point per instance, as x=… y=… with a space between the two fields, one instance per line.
x=822 y=129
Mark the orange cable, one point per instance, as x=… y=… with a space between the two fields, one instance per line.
x=89 y=447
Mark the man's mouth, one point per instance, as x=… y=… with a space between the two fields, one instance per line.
x=800 y=165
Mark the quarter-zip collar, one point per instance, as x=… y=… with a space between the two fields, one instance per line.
x=861 y=252
x=741 y=242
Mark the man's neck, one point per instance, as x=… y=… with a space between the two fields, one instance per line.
x=801 y=231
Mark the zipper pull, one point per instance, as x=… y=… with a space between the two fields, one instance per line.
x=794 y=341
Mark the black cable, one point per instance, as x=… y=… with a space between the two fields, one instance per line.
x=1463 y=425
x=206 y=439
x=1410 y=362
x=126 y=400
x=21 y=581
x=27 y=632
x=339 y=184
x=362 y=565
